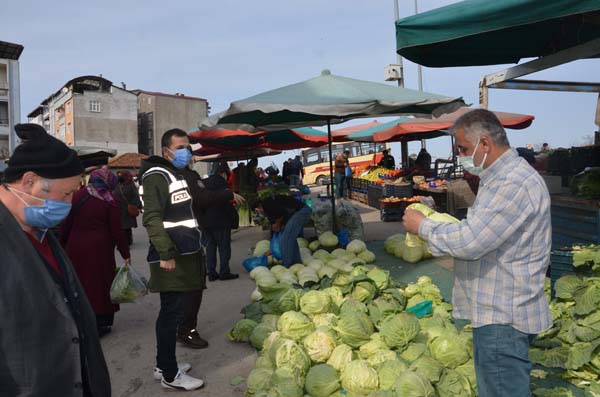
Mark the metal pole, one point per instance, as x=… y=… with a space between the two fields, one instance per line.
x=331 y=180
x=419 y=66
x=396 y=17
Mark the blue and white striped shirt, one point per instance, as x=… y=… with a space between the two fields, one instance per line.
x=502 y=250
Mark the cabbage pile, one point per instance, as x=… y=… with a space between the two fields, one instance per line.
x=573 y=343
x=411 y=248
x=337 y=326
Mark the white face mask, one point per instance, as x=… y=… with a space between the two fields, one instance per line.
x=468 y=163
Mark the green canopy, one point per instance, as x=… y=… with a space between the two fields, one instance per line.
x=332 y=99
x=487 y=32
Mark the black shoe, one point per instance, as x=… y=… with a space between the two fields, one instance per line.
x=213 y=277
x=228 y=276
x=192 y=339
x=104 y=330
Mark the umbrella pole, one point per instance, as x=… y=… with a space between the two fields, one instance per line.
x=331 y=180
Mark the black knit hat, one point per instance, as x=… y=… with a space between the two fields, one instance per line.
x=43 y=154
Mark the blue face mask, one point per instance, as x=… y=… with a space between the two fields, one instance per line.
x=45 y=216
x=181 y=157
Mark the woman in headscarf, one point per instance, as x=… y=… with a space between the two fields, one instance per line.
x=90 y=234
x=129 y=203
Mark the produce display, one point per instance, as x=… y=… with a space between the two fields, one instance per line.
x=434 y=184
x=393 y=199
x=338 y=326
x=347 y=218
x=379 y=175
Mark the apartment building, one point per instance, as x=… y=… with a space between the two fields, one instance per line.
x=91 y=111
x=10 y=98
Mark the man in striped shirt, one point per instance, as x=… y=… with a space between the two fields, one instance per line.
x=501 y=253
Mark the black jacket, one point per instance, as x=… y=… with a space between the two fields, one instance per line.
x=280 y=206
x=220 y=213
x=48 y=338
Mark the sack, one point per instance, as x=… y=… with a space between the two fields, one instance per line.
x=127 y=286
x=251 y=263
x=276 y=246
x=132 y=210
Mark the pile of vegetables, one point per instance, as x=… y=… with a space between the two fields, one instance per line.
x=336 y=325
x=379 y=174
x=347 y=218
x=409 y=247
x=587 y=183
x=572 y=344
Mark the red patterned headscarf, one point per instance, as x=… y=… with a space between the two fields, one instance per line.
x=101 y=185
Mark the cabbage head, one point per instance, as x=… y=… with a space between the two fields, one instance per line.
x=322 y=381
x=399 y=249
x=364 y=291
x=348 y=256
x=263 y=362
x=302 y=242
x=381 y=356
x=468 y=371
x=380 y=277
x=316 y=264
x=341 y=355
x=413 y=384
x=371 y=347
x=286 y=382
x=422 y=208
x=428 y=367
x=296 y=268
x=290 y=300
x=367 y=256
x=307 y=275
x=392 y=241
x=336 y=295
x=315 y=302
x=449 y=350
x=359 y=270
x=323 y=255
x=338 y=252
x=399 y=330
x=388 y=373
x=327 y=271
x=336 y=263
x=359 y=378
x=319 y=345
x=288 y=353
x=270 y=341
x=261 y=248
x=342 y=279
x=259 y=334
x=256 y=295
x=351 y=305
x=442 y=217
x=356 y=247
x=380 y=308
x=314 y=245
x=412 y=254
x=327 y=320
x=241 y=330
x=328 y=240
x=346 y=268
x=259 y=379
x=258 y=270
x=453 y=384
x=294 y=325
x=354 y=327
x=414 y=351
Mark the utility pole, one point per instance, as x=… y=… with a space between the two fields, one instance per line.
x=419 y=66
x=396 y=17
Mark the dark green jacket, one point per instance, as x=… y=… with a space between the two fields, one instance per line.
x=189 y=273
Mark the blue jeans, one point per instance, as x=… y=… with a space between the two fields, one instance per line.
x=501 y=356
x=290 y=251
x=340 y=184
x=294 y=180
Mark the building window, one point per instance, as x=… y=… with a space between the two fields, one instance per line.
x=95 y=106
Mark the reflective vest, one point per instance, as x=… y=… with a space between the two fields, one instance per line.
x=178 y=219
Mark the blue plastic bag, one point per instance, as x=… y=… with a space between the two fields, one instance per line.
x=254 y=262
x=343 y=238
x=276 y=246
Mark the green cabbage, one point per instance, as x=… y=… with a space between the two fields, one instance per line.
x=398 y=330
x=341 y=355
x=453 y=384
x=422 y=208
x=380 y=356
x=259 y=379
x=448 y=350
x=287 y=353
x=302 y=242
x=328 y=240
x=259 y=334
x=322 y=380
x=336 y=295
x=413 y=384
x=381 y=307
x=261 y=248
x=380 y=277
x=428 y=367
x=388 y=373
x=258 y=270
x=328 y=320
x=338 y=252
x=371 y=347
x=315 y=302
x=294 y=325
x=315 y=264
x=307 y=275
x=364 y=291
x=414 y=351
x=323 y=255
x=356 y=246
x=263 y=362
x=358 y=377
x=354 y=327
x=367 y=256
x=286 y=382
x=290 y=300
x=241 y=330
x=319 y=345
x=297 y=267
x=336 y=263
x=327 y=271
x=314 y=245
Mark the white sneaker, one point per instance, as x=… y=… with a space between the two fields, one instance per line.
x=182 y=382
x=183 y=367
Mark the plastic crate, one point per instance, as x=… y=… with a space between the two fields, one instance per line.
x=398 y=191
x=391 y=214
x=574 y=221
x=561 y=263
x=374 y=194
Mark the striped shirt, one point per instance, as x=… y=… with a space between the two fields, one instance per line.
x=501 y=250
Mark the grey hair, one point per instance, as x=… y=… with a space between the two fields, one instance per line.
x=480 y=122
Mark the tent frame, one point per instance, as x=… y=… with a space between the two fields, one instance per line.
x=507 y=78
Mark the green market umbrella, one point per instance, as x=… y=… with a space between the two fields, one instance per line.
x=484 y=32
x=330 y=99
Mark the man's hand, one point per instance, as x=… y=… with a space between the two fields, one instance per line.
x=168 y=265
x=412 y=220
x=239 y=200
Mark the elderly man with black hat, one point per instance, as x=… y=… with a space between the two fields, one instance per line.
x=48 y=343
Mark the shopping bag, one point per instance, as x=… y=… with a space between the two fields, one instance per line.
x=128 y=285
x=276 y=246
x=252 y=263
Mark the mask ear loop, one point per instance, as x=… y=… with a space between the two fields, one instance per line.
x=13 y=190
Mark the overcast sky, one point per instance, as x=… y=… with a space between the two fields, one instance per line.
x=231 y=49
